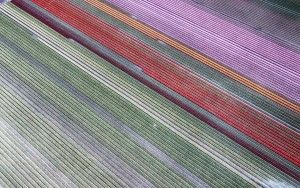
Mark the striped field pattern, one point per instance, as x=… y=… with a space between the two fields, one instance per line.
x=87 y=104
x=236 y=49
x=285 y=142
